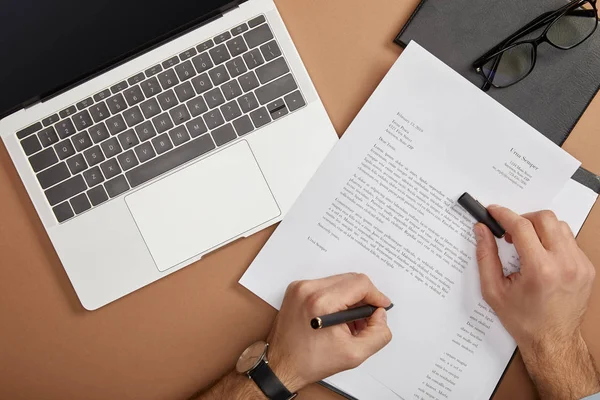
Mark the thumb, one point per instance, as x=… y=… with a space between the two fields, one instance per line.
x=490 y=268
x=376 y=335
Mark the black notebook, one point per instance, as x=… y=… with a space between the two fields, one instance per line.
x=559 y=89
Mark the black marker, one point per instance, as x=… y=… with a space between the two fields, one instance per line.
x=481 y=214
x=344 y=317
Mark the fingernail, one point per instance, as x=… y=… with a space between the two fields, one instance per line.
x=492 y=206
x=478 y=233
x=385 y=316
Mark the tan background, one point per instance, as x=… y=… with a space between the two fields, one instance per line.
x=175 y=336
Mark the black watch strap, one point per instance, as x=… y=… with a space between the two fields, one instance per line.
x=268 y=382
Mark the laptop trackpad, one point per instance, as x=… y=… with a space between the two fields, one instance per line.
x=203 y=206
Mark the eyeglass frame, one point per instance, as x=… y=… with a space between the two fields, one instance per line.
x=548 y=18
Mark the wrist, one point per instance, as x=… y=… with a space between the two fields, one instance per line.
x=285 y=371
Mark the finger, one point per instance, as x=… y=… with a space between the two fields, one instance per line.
x=508 y=238
x=354 y=289
x=521 y=230
x=547 y=227
x=490 y=268
x=360 y=325
x=376 y=335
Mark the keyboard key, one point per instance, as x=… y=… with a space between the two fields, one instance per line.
x=219 y=54
x=111 y=147
x=67 y=112
x=170 y=160
x=248 y=81
x=224 y=134
x=294 y=101
x=82 y=120
x=153 y=70
x=219 y=75
x=80 y=203
x=222 y=37
x=43 y=159
x=47 y=136
x=50 y=120
x=197 y=106
x=248 y=102
x=205 y=46
x=238 y=30
x=185 y=71
x=277 y=109
x=180 y=114
x=196 y=127
x=170 y=62
x=167 y=100
x=214 y=98
x=231 y=111
x=257 y=21
x=129 y=139
x=29 y=130
x=119 y=87
x=168 y=79
x=231 y=89
x=254 y=59
x=110 y=168
x=82 y=140
x=184 y=91
x=237 y=46
x=133 y=116
x=102 y=95
x=136 y=79
x=276 y=89
x=270 y=50
x=116 y=104
x=162 y=123
x=99 y=132
x=145 y=131
x=162 y=143
x=272 y=70
x=133 y=95
x=93 y=176
x=115 y=124
x=97 y=195
x=179 y=135
x=83 y=104
x=150 y=108
x=151 y=87
x=127 y=160
x=188 y=54
x=31 y=145
x=65 y=190
x=76 y=164
x=93 y=156
x=202 y=83
x=202 y=62
x=63 y=212
x=236 y=67
x=144 y=152
x=64 y=149
x=258 y=36
x=53 y=175
x=260 y=117
x=65 y=128
x=243 y=125
x=116 y=186
x=213 y=119
x=99 y=112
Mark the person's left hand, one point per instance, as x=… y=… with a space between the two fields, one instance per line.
x=300 y=355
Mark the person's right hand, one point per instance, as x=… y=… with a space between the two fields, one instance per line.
x=542 y=306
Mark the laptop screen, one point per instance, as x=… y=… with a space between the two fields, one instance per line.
x=46 y=45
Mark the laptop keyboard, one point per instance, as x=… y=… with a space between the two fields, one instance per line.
x=162 y=117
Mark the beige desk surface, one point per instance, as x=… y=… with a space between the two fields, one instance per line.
x=175 y=336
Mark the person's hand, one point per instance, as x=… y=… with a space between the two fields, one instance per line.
x=543 y=305
x=300 y=355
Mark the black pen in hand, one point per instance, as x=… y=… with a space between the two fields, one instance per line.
x=346 y=316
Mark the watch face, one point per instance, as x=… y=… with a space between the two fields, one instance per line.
x=251 y=357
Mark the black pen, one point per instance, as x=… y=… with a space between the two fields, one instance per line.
x=481 y=214
x=346 y=316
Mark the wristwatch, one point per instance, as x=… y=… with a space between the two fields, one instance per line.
x=253 y=363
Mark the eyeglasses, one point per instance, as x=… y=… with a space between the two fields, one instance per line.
x=511 y=61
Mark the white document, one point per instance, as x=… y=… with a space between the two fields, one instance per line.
x=384 y=203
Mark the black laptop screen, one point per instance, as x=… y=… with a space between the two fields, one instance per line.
x=48 y=44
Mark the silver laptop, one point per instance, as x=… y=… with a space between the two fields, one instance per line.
x=155 y=132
